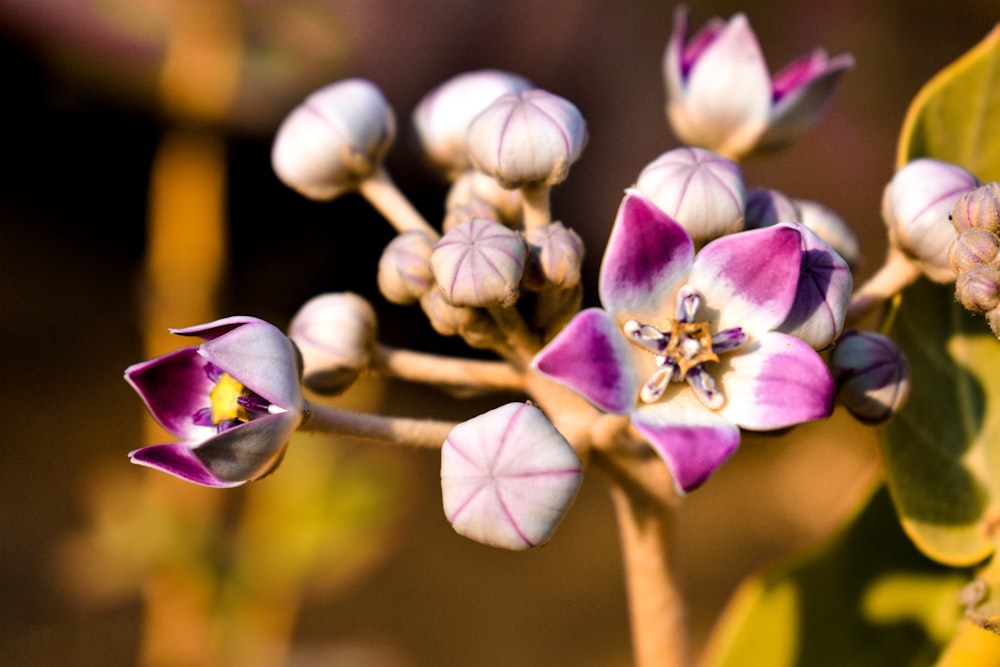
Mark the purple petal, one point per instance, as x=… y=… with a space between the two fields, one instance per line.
x=216 y=328
x=262 y=358
x=824 y=289
x=749 y=279
x=801 y=96
x=592 y=357
x=775 y=381
x=175 y=388
x=176 y=459
x=647 y=257
x=508 y=477
x=248 y=451
x=691 y=439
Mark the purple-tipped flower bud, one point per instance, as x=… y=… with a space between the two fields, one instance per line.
x=915 y=208
x=823 y=292
x=766 y=207
x=700 y=190
x=979 y=209
x=335 y=334
x=508 y=477
x=527 y=138
x=974 y=247
x=978 y=289
x=871 y=374
x=479 y=263
x=720 y=94
x=334 y=140
x=442 y=117
x=830 y=227
x=404 y=270
x=476 y=188
x=555 y=256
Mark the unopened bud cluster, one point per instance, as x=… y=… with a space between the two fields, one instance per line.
x=974 y=254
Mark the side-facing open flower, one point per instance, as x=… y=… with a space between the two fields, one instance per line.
x=720 y=94
x=687 y=344
x=508 y=477
x=234 y=401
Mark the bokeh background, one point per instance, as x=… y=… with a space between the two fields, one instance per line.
x=120 y=112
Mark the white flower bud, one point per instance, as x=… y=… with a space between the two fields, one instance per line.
x=700 y=190
x=527 y=138
x=479 y=263
x=830 y=227
x=766 y=207
x=442 y=117
x=871 y=374
x=915 y=208
x=404 y=270
x=508 y=477
x=555 y=257
x=334 y=140
x=335 y=334
x=476 y=188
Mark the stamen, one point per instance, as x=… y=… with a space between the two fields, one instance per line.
x=728 y=340
x=705 y=388
x=647 y=336
x=688 y=303
x=653 y=390
x=254 y=405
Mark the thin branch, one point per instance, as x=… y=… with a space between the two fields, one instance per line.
x=407 y=431
x=440 y=370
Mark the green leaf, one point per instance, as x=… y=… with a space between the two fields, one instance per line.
x=942 y=452
x=956 y=116
x=863 y=597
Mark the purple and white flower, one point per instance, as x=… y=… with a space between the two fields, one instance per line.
x=721 y=95
x=233 y=401
x=687 y=345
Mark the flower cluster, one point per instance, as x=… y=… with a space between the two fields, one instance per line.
x=973 y=255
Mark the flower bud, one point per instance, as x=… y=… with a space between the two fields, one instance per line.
x=473 y=324
x=915 y=208
x=973 y=247
x=830 y=227
x=700 y=190
x=476 y=188
x=334 y=140
x=555 y=256
x=979 y=209
x=404 y=270
x=508 y=477
x=871 y=374
x=993 y=317
x=335 y=334
x=442 y=117
x=766 y=207
x=527 y=138
x=978 y=289
x=479 y=263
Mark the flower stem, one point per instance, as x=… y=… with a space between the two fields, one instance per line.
x=429 y=433
x=522 y=344
x=382 y=193
x=435 y=369
x=537 y=209
x=896 y=273
x=641 y=492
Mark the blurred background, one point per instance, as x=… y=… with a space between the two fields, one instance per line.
x=136 y=193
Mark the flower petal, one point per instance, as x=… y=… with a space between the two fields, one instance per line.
x=592 y=357
x=508 y=477
x=176 y=459
x=801 y=92
x=749 y=279
x=174 y=387
x=248 y=451
x=647 y=257
x=261 y=357
x=775 y=381
x=691 y=439
x=216 y=328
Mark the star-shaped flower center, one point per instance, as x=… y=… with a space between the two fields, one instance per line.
x=683 y=350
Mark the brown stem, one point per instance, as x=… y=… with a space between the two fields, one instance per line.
x=435 y=369
x=390 y=430
x=642 y=493
x=382 y=193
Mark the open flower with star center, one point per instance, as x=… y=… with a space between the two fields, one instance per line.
x=233 y=401
x=686 y=344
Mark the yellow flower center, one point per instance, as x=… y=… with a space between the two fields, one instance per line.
x=224 y=397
